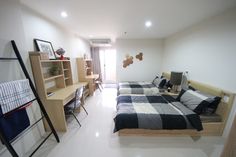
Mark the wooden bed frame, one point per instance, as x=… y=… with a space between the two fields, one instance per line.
x=209 y=128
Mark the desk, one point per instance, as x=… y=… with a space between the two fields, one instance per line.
x=55 y=105
x=91 y=79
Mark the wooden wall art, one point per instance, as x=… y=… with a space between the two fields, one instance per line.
x=127 y=61
x=139 y=56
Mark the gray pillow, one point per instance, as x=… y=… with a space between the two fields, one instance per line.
x=159 y=82
x=197 y=101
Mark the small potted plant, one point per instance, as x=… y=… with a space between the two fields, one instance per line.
x=54 y=70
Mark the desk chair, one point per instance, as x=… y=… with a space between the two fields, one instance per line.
x=98 y=84
x=75 y=103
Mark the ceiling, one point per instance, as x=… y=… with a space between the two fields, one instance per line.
x=111 y=18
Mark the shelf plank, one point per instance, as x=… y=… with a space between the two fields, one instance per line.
x=67 y=78
x=52 y=77
x=48 y=61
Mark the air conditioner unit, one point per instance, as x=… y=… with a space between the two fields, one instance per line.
x=100 y=42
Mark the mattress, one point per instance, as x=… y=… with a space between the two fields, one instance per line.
x=153 y=112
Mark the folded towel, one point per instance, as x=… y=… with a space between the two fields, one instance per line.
x=14 y=123
x=14 y=94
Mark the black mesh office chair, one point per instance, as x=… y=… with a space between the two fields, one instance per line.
x=75 y=103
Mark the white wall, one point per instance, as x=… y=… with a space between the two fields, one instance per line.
x=12 y=28
x=36 y=26
x=21 y=24
x=144 y=70
x=207 y=51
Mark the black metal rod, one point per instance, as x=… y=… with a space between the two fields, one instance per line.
x=2 y=58
x=40 y=144
x=33 y=89
x=8 y=145
x=18 y=108
x=25 y=131
x=2 y=136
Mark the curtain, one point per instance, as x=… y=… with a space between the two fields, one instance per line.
x=96 y=61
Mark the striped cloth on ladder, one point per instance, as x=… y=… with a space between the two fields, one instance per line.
x=14 y=94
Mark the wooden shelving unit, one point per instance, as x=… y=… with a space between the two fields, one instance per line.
x=54 y=84
x=85 y=73
x=47 y=81
x=85 y=68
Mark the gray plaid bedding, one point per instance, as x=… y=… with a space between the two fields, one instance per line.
x=146 y=88
x=154 y=112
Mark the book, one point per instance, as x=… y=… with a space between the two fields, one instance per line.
x=49 y=94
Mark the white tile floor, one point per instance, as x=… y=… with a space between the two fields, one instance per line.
x=96 y=137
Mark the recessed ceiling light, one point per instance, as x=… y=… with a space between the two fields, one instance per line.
x=64 y=14
x=97 y=134
x=90 y=36
x=148 y=24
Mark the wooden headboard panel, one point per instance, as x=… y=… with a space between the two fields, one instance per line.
x=206 y=88
x=166 y=75
x=227 y=98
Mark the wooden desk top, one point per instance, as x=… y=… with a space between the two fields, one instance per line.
x=94 y=76
x=63 y=93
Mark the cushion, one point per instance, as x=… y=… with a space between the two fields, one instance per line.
x=156 y=81
x=198 y=102
x=160 y=82
x=168 y=84
x=214 y=102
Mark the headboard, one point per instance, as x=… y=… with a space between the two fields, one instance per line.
x=166 y=75
x=227 y=98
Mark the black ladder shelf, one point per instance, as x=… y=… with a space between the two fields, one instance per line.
x=43 y=111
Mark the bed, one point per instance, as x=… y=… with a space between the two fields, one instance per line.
x=146 y=88
x=154 y=113
x=212 y=127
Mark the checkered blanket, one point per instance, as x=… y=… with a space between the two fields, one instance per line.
x=154 y=112
x=146 y=88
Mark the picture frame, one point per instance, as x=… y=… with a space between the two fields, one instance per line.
x=45 y=46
